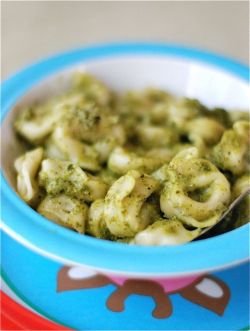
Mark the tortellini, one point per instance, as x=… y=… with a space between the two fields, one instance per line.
x=96 y=223
x=124 y=203
x=165 y=232
x=144 y=168
x=92 y=89
x=89 y=122
x=121 y=161
x=64 y=177
x=194 y=191
x=64 y=147
x=232 y=152
x=37 y=122
x=154 y=136
x=123 y=215
x=65 y=210
x=183 y=110
x=208 y=129
x=242 y=213
x=27 y=167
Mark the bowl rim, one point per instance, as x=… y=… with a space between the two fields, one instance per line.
x=64 y=245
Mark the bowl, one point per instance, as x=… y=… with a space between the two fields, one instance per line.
x=87 y=262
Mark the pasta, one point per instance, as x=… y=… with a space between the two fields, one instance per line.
x=124 y=203
x=65 y=210
x=198 y=193
x=144 y=168
x=27 y=167
x=58 y=176
x=232 y=152
x=168 y=233
x=62 y=146
x=121 y=161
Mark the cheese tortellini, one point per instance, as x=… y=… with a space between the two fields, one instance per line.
x=58 y=176
x=194 y=191
x=65 y=210
x=144 y=168
x=232 y=152
x=125 y=202
x=27 y=167
x=165 y=232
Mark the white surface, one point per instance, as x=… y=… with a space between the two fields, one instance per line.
x=35 y=29
x=210 y=288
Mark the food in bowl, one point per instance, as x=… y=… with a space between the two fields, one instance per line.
x=145 y=168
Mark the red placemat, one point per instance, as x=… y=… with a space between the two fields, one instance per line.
x=16 y=317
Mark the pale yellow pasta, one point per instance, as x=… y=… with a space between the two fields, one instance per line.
x=89 y=122
x=238 y=115
x=96 y=223
x=38 y=127
x=195 y=191
x=208 y=129
x=151 y=105
x=232 y=152
x=63 y=146
x=161 y=153
x=241 y=185
x=64 y=177
x=242 y=213
x=106 y=145
x=183 y=110
x=124 y=203
x=65 y=210
x=121 y=161
x=36 y=123
x=161 y=174
x=154 y=136
x=165 y=232
x=108 y=176
x=27 y=167
x=91 y=88
x=145 y=167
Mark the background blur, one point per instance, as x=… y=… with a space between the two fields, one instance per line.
x=33 y=30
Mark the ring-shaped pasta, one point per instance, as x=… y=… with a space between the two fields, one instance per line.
x=37 y=122
x=69 y=149
x=165 y=232
x=27 y=167
x=242 y=212
x=121 y=161
x=96 y=225
x=208 y=129
x=195 y=191
x=65 y=210
x=151 y=136
x=124 y=212
x=232 y=152
x=64 y=177
x=183 y=110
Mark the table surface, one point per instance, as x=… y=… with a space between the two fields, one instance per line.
x=33 y=30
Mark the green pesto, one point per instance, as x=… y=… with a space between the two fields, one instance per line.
x=144 y=163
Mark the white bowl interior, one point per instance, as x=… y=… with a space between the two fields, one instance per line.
x=182 y=77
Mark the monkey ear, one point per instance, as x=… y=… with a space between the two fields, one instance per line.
x=209 y=292
x=75 y=278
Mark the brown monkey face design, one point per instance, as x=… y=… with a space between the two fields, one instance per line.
x=206 y=291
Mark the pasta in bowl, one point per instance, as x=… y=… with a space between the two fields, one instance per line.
x=144 y=167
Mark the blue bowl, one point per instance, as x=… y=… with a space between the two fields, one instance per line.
x=26 y=226
x=213 y=79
